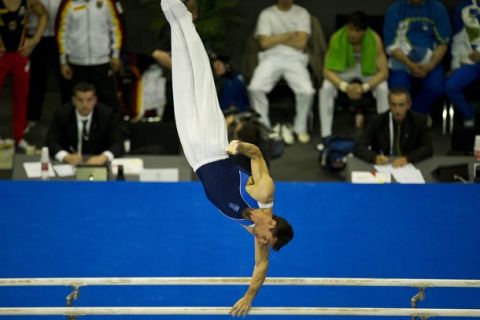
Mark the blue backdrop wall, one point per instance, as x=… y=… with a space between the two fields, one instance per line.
x=74 y=229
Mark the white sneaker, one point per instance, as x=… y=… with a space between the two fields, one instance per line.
x=303 y=137
x=277 y=128
x=25 y=146
x=287 y=134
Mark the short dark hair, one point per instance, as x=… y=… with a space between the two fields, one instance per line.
x=399 y=91
x=358 y=19
x=283 y=231
x=249 y=132
x=84 y=87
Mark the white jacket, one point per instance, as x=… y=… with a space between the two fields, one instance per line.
x=89 y=32
x=467 y=39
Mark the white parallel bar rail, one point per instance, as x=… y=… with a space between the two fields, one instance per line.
x=300 y=311
x=165 y=281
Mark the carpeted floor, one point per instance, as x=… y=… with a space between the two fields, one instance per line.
x=117 y=229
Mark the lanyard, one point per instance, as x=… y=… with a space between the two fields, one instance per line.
x=390 y=126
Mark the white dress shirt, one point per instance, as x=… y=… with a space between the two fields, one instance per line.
x=60 y=156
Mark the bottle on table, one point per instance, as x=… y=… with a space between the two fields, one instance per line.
x=45 y=163
x=476 y=165
x=120 y=173
x=476 y=148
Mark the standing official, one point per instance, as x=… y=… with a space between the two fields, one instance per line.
x=15 y=48
x=90 y=37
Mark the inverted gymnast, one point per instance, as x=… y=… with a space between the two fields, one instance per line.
x=240 y=195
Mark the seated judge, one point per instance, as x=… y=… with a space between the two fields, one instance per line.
x=398 y=136
x=85 y=131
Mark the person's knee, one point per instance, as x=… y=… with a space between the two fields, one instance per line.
x=436 y=88
x=382 y=88
x=306 y=92
x=450 y=88
x=380 y=91
x=256 y=89
x=327 y=88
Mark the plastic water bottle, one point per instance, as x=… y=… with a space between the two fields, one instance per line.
x=120 y=173
x=476 y=165
x=476 y=148
x=45 y=163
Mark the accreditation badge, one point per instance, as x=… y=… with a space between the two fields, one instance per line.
x=22 y=11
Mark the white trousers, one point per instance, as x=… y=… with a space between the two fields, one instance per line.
x=329 y=92
x=200 y=122
x=294 y=71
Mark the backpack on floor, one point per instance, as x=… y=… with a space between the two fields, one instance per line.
x=336 y=150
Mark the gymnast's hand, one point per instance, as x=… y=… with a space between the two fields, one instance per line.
x=242 y=307
x=233 y=147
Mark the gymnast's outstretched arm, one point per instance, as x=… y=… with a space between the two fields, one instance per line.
x=243 y=305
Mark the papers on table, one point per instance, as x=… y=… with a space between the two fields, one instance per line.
x=164 y=175
x=64 y=170
x=34 y=170
x=405 y=174
x=371 y=177
x=134 y=166
x=130 y=165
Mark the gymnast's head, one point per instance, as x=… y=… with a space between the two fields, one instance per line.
x=269 y=229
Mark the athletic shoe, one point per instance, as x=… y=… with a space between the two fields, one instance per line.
x=26 y=147
x=303 y=137
x=277 y=128
x=287 y=134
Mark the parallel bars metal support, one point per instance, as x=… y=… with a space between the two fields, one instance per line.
x=73 y=312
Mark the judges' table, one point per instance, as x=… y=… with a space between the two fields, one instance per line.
x=426 y=166
x=179 y=162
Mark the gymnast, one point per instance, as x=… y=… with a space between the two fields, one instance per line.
x=240 y=195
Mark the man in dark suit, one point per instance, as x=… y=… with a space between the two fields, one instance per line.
x=399 y=136
x=85 y=127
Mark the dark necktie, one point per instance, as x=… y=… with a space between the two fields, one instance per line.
x=396 y=146
x=84 y=136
